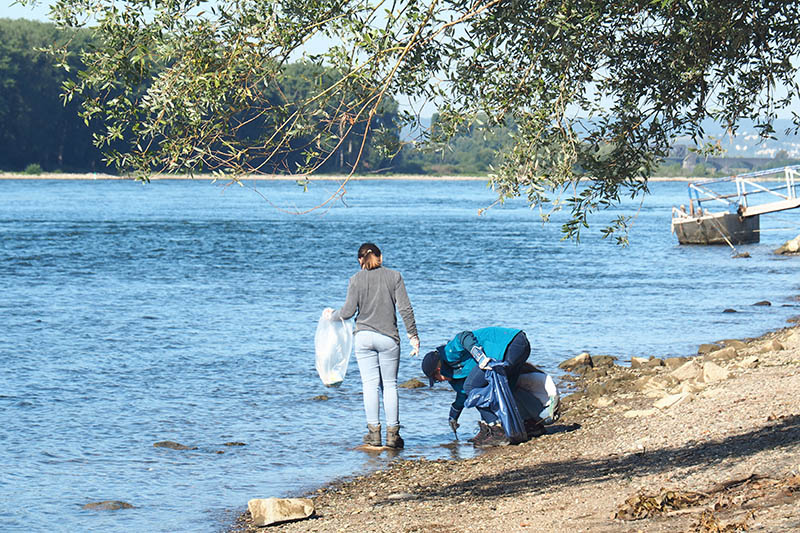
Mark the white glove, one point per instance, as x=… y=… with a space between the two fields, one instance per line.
x=414 y=345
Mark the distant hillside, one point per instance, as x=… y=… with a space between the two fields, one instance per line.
x=747 y=144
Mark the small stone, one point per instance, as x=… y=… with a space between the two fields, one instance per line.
x=735 y=343
x=268 y=511
x=713 y=372
x=793 y=339
x=773 y=345
x=671 y=400
x=320 y=398
x=603 y=360
x=235 y=444
x=654 y=386
x=581 y=360
x=789 y=247
x=637 y=413
x=675 y=362
x=707 y=348
x=602 y=403
x=688 y=371
x=723 y=354
x=749 y=362
x=412 y=383
x=400 y=496
x=690 y=387
x=638 y=362
x=764 y=303
x=729 y=310
x=173 y=445
x=107 y=505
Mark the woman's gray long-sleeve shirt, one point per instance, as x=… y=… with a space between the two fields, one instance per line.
x=377 y=295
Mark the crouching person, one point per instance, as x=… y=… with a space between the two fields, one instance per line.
x=463 y=361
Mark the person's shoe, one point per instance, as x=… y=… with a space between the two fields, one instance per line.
x=373 y=438
x=483 y=431
x=534 y=428
x=393 y=438
x=495 y=437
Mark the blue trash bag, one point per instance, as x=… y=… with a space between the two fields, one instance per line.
x=497 y=397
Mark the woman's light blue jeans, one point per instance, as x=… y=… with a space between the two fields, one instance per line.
x=378 y=357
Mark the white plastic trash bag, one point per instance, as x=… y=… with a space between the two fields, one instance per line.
x=543 y=387
x=333 y=343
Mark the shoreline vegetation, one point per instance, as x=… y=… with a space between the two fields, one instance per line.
x=707 y=443
x=280 y=177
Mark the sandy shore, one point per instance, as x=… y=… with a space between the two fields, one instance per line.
x=657 y=448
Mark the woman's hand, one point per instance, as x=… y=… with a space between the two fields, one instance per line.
x=414 y=345
x=327 y=313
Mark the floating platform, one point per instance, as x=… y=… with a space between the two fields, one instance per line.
x=739 y=222
x=717 y=228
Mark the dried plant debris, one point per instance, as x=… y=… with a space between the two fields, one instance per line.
x=644 y=506
x=747 y=494
x=710 y=524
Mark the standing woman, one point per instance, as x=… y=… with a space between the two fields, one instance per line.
x=376 y=293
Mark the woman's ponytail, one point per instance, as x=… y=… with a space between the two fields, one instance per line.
x=369 y=256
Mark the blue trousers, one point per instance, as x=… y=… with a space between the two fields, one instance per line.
x=517 y=352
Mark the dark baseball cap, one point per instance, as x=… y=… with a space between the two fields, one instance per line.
x=429 y=365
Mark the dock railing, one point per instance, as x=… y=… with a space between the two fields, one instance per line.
x=700 y=192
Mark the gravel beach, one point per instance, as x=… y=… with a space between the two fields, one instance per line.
x=709 y=443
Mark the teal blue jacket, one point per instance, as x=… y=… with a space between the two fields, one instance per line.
x=457 y=361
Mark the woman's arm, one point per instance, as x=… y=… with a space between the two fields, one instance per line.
x=350 y=304
x=404 y=307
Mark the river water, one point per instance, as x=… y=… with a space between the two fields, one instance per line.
x=185 y=311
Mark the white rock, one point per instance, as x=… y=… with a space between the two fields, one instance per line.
x=671 y=400
x=268 y=511
x=793 y=339
x=639 y=413
x=690 y=387
x=749 y=362
x=724 y=353
x=773 y=345
x=789 y=247
x=583 y=359
x=603 y=402
x=713 y=372
x=688 y=371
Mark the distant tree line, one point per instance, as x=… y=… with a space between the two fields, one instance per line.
x=42 y=132
x=38 y=129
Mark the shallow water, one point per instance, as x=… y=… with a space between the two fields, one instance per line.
x=184 y=311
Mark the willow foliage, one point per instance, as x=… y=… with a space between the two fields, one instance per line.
x=596 y=89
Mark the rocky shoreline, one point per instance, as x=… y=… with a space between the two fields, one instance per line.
x=709 y=443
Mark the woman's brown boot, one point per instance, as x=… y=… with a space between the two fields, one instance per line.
x=373 y=438
x=393 y=438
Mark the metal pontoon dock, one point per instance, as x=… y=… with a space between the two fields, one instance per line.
x=739 y=222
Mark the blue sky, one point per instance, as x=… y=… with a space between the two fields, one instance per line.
x=38 y=12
